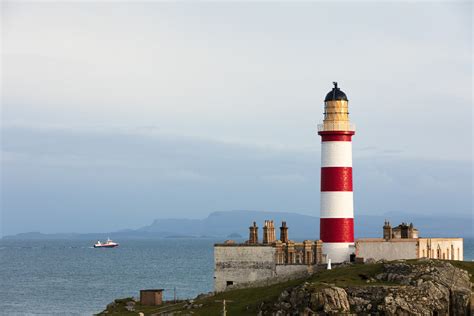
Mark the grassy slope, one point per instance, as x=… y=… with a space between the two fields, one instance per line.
x=246 y=301
x=465 y=265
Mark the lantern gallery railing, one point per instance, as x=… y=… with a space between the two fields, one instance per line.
x=336 y=126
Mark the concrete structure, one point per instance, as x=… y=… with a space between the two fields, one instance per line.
x=379 y=248
x=402 y=242
x=151 y=297
x=337 y=210
x=252 y=264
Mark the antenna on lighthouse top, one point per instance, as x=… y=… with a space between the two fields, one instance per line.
x=334 y=90
x=335 y=84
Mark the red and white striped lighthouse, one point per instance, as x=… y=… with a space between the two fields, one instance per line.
x=337 y=206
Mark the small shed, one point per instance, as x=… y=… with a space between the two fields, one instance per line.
x=151 y=297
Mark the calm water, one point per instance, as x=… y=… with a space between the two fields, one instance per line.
x=69 y=277
x=58 y=276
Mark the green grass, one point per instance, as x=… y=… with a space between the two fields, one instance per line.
x=354 y=275
x=465 y=265
x=247 y=301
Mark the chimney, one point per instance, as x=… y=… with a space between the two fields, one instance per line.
x=284 y=233
x=265 y=232
x=387 y=230
x=253 y=236
x=272 y=232
x=269 y=235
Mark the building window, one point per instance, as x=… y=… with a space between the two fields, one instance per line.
x=459 y=257
x=423 y=253
x=228 y=283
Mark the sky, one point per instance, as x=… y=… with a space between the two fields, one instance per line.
x=118 y=113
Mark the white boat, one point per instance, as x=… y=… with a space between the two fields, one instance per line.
x=108 y=244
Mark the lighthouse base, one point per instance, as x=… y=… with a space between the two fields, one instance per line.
x=338 y=251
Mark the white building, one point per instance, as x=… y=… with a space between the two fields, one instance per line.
x=402 y=242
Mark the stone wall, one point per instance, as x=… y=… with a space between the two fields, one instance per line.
x=239 y=266
x=436 y=248
x=242 y=264
x=441 y=248
x=389 y=250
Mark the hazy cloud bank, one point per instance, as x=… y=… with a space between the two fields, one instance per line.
x=57 y=180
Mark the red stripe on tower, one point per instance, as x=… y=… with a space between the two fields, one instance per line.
x=336 y=179
x=336 y=136
x=337 y=229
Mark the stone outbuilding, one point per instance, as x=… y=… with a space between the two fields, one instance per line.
x=273 y=260
x=403 y=242
x=152 y=297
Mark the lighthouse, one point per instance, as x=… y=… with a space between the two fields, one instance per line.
x=337 y=205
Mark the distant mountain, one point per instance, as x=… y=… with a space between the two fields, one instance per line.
x=222 y=224
x=235 y=236
x=305 y=226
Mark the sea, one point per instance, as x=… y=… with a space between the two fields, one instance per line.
x=70 y=277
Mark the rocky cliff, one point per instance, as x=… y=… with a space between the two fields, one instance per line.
x=413 y=287
x=425 y=287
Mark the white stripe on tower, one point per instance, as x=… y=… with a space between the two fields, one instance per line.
x=337 y=205
x=336 y=154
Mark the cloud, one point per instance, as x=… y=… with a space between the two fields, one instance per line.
x=67 y=175
x=144 y=109
x=285 y=178
x=196 y=69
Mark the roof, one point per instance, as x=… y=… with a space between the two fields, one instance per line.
x=335 y=94
x=367 y=240
x=152 y=290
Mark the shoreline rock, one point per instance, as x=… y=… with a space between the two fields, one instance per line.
x=424 y=288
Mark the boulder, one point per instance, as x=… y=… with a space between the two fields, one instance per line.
x=330 y=300
x=130 y=308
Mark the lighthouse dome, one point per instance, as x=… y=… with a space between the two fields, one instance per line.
x=335 y=94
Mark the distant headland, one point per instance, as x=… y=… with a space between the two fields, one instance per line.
x=234 y=223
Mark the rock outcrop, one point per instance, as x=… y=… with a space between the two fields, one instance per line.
x=425 y=287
